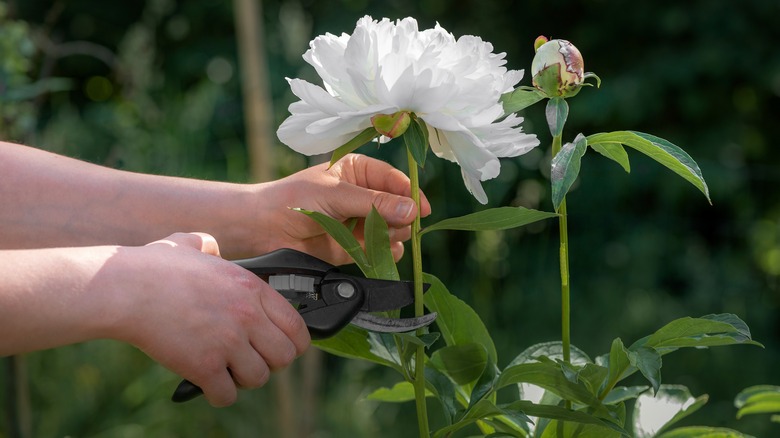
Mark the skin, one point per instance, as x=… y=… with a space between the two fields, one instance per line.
x=76 y=263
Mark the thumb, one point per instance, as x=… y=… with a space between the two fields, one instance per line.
x=203 y=242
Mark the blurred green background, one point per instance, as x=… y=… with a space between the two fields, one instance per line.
x=156 y=86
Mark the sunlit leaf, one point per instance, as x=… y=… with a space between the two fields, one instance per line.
x=759 y=399
x=520 y=98
x=352 y=342
x=553 y=350
x=662 y=151
x=359 y=140
x=671 y=403
x=458 y=323
x=703 y=432
x=565 y=168
x=615 y=152
x=500 y=218
x=623 y=393
x=557 y=112
x=378 y=252
x=550 y=376
x=344 y=237
x=399 y=393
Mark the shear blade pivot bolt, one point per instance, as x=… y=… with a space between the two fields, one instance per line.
x=345 y=290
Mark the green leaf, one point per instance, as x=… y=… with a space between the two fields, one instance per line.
x=648 y=361
x=463 y=363
x=707 y=331
x=378 y=252
x=759 y=399
x=344 y=237
x=399 y=393
x=550 y=376
x=352 y=342
x=615 y=152
x=416 y=140
x=566 y=167
x=483 y=409
x=553 y=350
x=500 y=218
x=557 y=112
x=520 y=98
x=662 y=151
x=561 y=413
x=383 y=345
x=364 y=137
x=618 y=362
x=486 y=383
x=443 y=389
x=623 y=393
x=671 y=403
x=703 y=432
x=458 y=323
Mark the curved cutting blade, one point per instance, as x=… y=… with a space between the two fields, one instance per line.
x=391 y=325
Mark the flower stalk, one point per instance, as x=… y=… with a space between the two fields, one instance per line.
x=564 y=263
x=419 y=309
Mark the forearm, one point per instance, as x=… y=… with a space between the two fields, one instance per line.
x=50 y=200
x=48 y=299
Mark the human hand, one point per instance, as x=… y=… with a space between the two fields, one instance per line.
x=206 y=319
x=346 y=190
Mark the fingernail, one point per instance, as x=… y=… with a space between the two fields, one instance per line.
x=404 y=208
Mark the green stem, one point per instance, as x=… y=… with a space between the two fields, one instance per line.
x=564 y=261
x=419 y=368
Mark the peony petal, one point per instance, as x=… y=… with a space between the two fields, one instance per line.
x=474 y=187
x=293 y=133
x=317 y=97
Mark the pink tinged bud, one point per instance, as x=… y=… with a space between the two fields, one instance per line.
x=540 y=40
x=557 y=68
x=391 y=125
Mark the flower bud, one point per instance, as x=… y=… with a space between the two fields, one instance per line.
x=557 y=68
x=391 y=125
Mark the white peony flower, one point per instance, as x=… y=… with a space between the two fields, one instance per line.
x=385 y=67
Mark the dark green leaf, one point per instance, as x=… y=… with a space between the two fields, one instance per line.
x=520 y=98
x=566 y=167
x=662 y=151
x=500 y=218
x=557 y=112
x=618 y=362
x=483 y=409
x=648 y=361
x=615 y=152
x=458 y=323
x=359 y=140
x=378 y=253
x=707 y=331
x=623 y=393
x=486 y=383
x=561 y=413
x=416 y=140
x=344 y=237
x=383 y=345
x=463 y=363
x=548 y=375
x=444 y=390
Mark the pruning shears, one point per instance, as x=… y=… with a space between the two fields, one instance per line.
x=328 y=299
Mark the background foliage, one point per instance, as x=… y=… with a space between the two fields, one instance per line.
x=154 y=86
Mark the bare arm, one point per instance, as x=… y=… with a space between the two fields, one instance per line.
x=50 y=200
x=193 y=312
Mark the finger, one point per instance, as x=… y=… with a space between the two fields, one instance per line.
x=248 y=368
x=219 y=388
x=397 y=248
x=293 y=338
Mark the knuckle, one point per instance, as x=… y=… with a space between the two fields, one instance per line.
x=223 y=399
